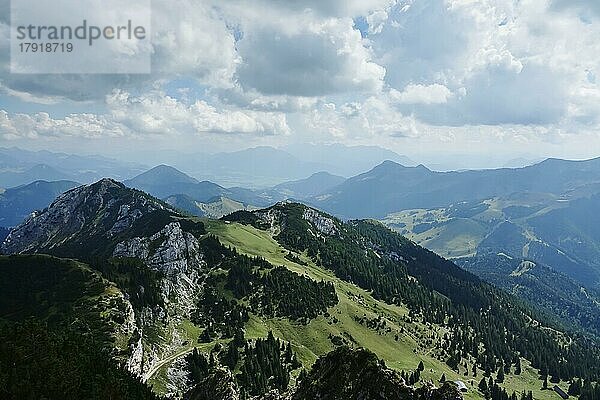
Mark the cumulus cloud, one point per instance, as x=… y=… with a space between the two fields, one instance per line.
x=156 y=112
x=422 y=94
x=189 y=39
x=372 y=117
x=503 y=63
x=41 y=125
x=309 y=57
x=304 y=69
x=153 y=113
x=421 y=41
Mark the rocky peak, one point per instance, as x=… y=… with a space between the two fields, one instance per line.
x=105 y=208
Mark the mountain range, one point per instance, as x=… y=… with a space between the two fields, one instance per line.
x=541 y=215
x=263 y=167
x=20 y=167
x=275 y=303
x=391 y=187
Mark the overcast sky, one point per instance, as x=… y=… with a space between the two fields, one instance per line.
x=423 y=78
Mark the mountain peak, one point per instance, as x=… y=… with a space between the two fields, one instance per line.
x=161 y=174
x=390 y=163
x=82 y=215
x=107 y=182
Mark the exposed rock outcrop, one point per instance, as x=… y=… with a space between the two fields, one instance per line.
x=323 y=224
x=176 y=254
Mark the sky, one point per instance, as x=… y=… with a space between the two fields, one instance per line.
x=486 y=79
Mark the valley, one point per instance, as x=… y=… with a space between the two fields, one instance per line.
x=293 y=275
x=208 y=277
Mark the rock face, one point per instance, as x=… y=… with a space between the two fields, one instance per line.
x=176 y=251
x=323 y=224
x=176 y=254
x=107 y=219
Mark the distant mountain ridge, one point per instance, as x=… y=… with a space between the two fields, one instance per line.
x=391 y=187
x=19 y=167
x=315 y=184
x=265 y=166
x=347 y=160
x=18 y=202
x=164 y=181
x=184 y=191
x=21 y=176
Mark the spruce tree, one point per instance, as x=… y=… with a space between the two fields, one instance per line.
x=500 y=375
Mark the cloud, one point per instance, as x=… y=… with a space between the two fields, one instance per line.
x=314 y=58
x=422 y=94
x=158 y=113
x=496 y=95
x=587 y=8
x=324 y=8
x=504 y=63
x=153 y=113
x=189 y=39
x=373 y=118
x=30 y=98
x=41 y=125
x=421 y=41
x=422 y=70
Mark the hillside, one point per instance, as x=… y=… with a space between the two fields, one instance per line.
x=370 y=256
x=557 y=231
x=17 y=203
x=215 y=208
x=56 y=317
x=560 y=296
x=164 y=181
x=247 y=303
x=315 y=184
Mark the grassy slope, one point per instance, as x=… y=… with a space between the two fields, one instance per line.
x=312 y=340
x=453 y=237
x=59 y=290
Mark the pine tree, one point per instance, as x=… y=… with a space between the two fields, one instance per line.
x=483 y=387
x=518 y=367
x=500 y=375
x=575 y=387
